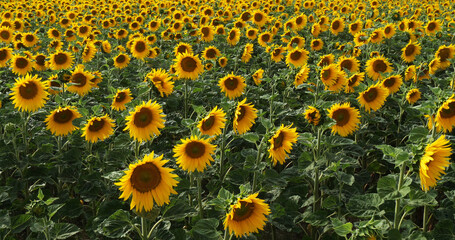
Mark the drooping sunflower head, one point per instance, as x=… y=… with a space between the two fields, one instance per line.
x=98 y=128
x=122 y=97
x=376 y=66
x=29 y=93
x=413 y=95
x=188 y=66
x=232 y=85
x=281 y=143
x=248 y=215
x=213 y=123
x=374 y=97
x=302 y=75
x=89 y=52
x=247 y=51
x=244 y=117
x=297 y=57
x=312 y=115
x=393 y=83
x=162 y=81
x=145 y=121
x=233 y=36
x=5 y=55
x=434 y=161
x=194 y=154
x=347 y=118
x=60 y=121
x=326 y=60
x=148 y=182
x=354 y=81
x=257 y=76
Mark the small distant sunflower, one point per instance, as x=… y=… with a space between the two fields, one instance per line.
x=81 y=81
x=211 y=53
x=182 y=48
x=259 y=18
x=252 y=33
x=265 y=38
x=277 y=54
x=248 y=50
x=98 y=128
x=89 y=52
x=213 y=123
x=433 y=27
x=207 y=33
x=122 y=97
x=393 y=83
x=162 y=81
x=389 y=31
x=337 y=26
x=145 y=121
x=121 y=60
x=410 y=52
x=434 y=162
x=376 y=66
x=329 y=74
x=5 y=55
x=376 y=36
x=347 y=118
x=326 y=60
x=317 y=44
x=60 y=121
x=233 y=36
x=281 y=143
x=361 y=38
x=232 y=85
x=312 y=115
x=355 y=27
x=21 y=65
x=70 y=35
x=188 y=66
x=148 y=182
x=302 y=75
x=413 y=95
x=411 y=73
x=351 y=64
x=61 y=60
x=29 y=93
x=445 y=116
x=194 y=154
x=374 y=97
x=257 y=76
x=244 y=117
x=248 y=215
x=53 y=33
x=297 y=57
x=223 y=61
x=354 y=81
x=296 y=41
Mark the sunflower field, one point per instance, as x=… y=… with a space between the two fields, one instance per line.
x=230 y=119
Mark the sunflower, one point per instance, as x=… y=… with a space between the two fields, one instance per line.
x=393 y=83
x=61 y=60
x=312 y=115
x=281 y=143
x=337 y=26
x=297 y=57
x=81 y=81
x=194 y=154
x=277 y=54
x=148 y=181
x=6 y=34
x=251 y=33
x=257 y=76
x=355 y=27
x=445 y=116
x=213 y=123
x=29 y=39
x=183 y=48
x=40 y=62
x=361 y=39
x=259 y=18
x=246 y=55
x=98 y=128
x=444 y=54
x=60 y=121
x=389 y=31
x=222 y=61
x=302 y=75
x=21 y=65
x=374 y=97
x=435 y=65
x=89 y=52
x=410 y=52
x=413 y=95
x=248 y=215
x=122 y=97
x=70 y=35
x=339 y=82
x=106 y=47
x=347 y=118
x=296 y=41
x=233 y=36
x=244 y=117
x=232 y=85
x=265 y=38
x=5 y=55
x=29 y=93
x=434 y=162
x=433 y=27
x=139 y=48
x=315 y=30
x=351 y=64
x=207 y=33
x=145 y=121
x=377 y=66
x=83 y=31
x=317 y=44
x=376 y=36
x=188 y=66
x=162 y=81
x=410 y=73
x=121 y=60
x=354 y=81
x=211 y=53
x=326 y=60
x=329 y=74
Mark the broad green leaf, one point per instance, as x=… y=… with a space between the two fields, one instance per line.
x=206 y=229
x=117 y=225
x=417 y=134
x=20 y=222
x=178 y=209
x=340 y=228
x=63 y=230
x=366 y=205
x=345 y=178
x=251 y=137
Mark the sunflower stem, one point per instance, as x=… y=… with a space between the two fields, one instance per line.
x=271 y=102
x=396 y=219
x=425 y=217
x=199 y=194
x=185 y=102
x=258 y=161
x=223 y=142
x=137 y=149
x=144 y=228
x=226 y=234
x=316 y=172
x=25 y=130
x=153 y=228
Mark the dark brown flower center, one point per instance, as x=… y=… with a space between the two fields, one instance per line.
x=448 y=112
x=336 y=25
x=145 y=177
x=80 y=79
x=120 y=97
x=195 y=149
x=244 y=212
x=341 y=116
x=389 y=82
x=352 y=80
x=60 y=58
x=5 y=34
x=242 y=113
x=153 y=24
x=96 y=125
x=182 y=49
x=143 y=118
x=29 y=38
x=231 y=83
x=346 y=64
x=3 y=54
x=232 y=35
x=326 y=74
x=354 y=27
x=315 y=43
x=370 y=95
x=40 y=60
x=299 y=20
x=278 y=141
x=444 y=54
x=258 y=17
x=379 y=66
x=205 y=31
x=211 y=53
x=83 y=29
x=409 y=50
x=387 y=30
x=296 y=55
x=188 y=64
x=120 y=59
x=28 y=90
x=63 y=116
x=21 y=62
x=208 y=123
x=140 y=46
x=265 y=37
x=276 y=52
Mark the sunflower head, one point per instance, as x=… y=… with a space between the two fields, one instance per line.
x=122 y=97
x=60 y=121
x=61 y=60
x=213 y=123
x=257 y=76
x=162 y=81
x=413 y=95
x=346 y=117
x=312 y=115
x=98 y=128
x=188 y=66
x=194 y=154
x=232 y=85
x=145 y=121
x=434 y=161
x=244 y=117
x=297 y=57
x=374 y=97
x=29 y=93
x=21 y=65
x=281 y=143
x=377 y=66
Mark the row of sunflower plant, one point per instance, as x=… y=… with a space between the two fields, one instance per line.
x=227 y=119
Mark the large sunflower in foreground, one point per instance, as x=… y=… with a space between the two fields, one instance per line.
x=29 y=93
x=145 y=121
x=194 y=154
x=98 y=128
x=122 y=97
x=61 y=60
x=60 y=121
x=377 y=66
x=213 y=123
x=248 y=215
x=244 y=117
x=232 y=85
x=281 y=143
x=434 y=162
x=149 y=182
x=347 y=118
x=188 y=66
x=445 y=116
x=373 y=98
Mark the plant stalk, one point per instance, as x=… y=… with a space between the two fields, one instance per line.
x=199 y=194
x=396 y=219
x=425 y=218
x=258 y=161
x=144 y=228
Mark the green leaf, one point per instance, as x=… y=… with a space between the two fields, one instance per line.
x=251 y=137
x=20 y=222
x=418 y=198
x=53 y=209
x=117 y=225
x=417 y=134
x=40 y=194
x=266 y=123
x=178 y=209
x=340 y=228
x=345 y=178
x=5 y=220
x=206 y=229
x=394 y=234
x=63 y=230
x=366 y=205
